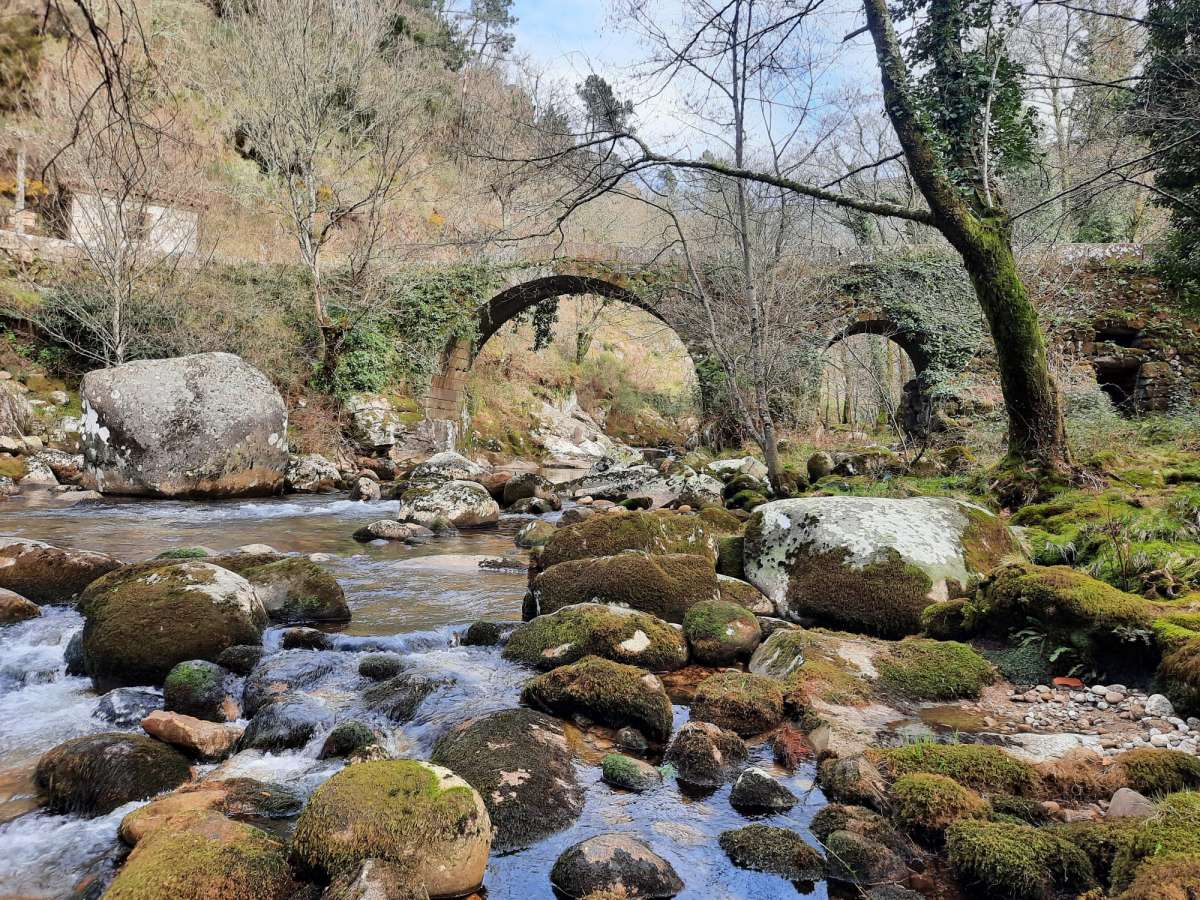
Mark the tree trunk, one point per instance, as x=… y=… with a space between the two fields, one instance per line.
x=583 y=343
x=770 y=449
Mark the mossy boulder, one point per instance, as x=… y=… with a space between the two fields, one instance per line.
x=926 y=805
x=613 y=865
x=720 y=633
x=742 y=702
x=1152 y=771
x=1007 y=860
x=977 y=766
x=93 y=775
x=202 y=689
x=353 y=739
x=729 y=556
x=656 y=532
x=921 y=669
x=241 y=659
x=665 y=585
x=778 y=851
x=1173 y=833
x=744 y=594
x=202 y=856
x=47 y=574
x=487 y=634
x=629 y=774
x=292 y=588
x=519 y=761
x=607 y=692
x=535 y=534
x=380 y=666
x=141 y=621
x=862 y=821
x=596 y=629
x=704 y=755
x=1179 y=676
x=419 y=815
x=855 y=859
x=781 y=655
x=869 y=564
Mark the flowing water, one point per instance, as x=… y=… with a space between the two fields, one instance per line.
x=413 y=600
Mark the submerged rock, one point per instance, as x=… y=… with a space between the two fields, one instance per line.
x=629 y=773
x=47 y=574
x=519 y=762
x=126 y=707
x=285 y=722
x=594 y=629
x=398 y=698
x=93 y=775
x=380 y=666
x=618 y=865
x=207 y=425
x=281 y=673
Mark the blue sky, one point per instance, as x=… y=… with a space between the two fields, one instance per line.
x=571 y=37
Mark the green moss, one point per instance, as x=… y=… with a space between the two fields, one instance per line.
x=294 y=588
x=987 y=540
x=1170 y=879
x=1173 y=833
x=927 y=804
x=722 y=521
x=1015 y=861
x=1153 y=771
x=729 y=559
x=93 y=775
x=825 y=673
x=767 y=848
x=657 y=532
x=719 y=631
x=1019 y=809
x=349 y=738
x=742 y=702
x=858 y=820
x=1099 y=841
x=920 y=669
x=1179 y=677
x=746 y=500
x=593 y=629
x=977 y=766
x=183 y=553
x=12 y=467
x=948 y=619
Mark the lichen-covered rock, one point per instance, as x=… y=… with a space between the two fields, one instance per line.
x=421 y=816
x=208 y=741
x=535 y=534
x=705 y=755
x=742 y=702
x=202 y=689
x=201 y=856
x=780 y=656
x=727 y=469
x=869 y=564
x=755 y=791
x=391 y=530
x=779 y=851
x=719 y=632
x=374 y=421
x=365 y=489
x=617 y=483
x=285 y=722
x=529 y=485
x=93 y=775
x=142 y=620
x=292 y=588
x=207 y=425
x=15 y=608
x=607 y=692
x=595 y=629
x=464 y=504
x=16 y=416
x=1003 y=859
x=47 y=574
x=311 y=474
x=629 y=774
x=446 y=466
x=618 y=864
x=665 y=585
x=657 y=532
x=519 y=761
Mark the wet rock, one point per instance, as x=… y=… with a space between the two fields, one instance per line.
x=208 y=741
x=534 y=534
x=521 y=765
x=206 y=425
x=532 y=506
x=141 y=621
x=632 y=740
x=464 y=504
x=280 y=673
x=126 y=707
x=285 y=722
x=607 y=692
x=237 y=798
x=240 y=659
x=380 y=666
x=720 y=633
x=374 y=879
x=305 y=639
x=778 y=851
x=660 y=532
x=391 y=530
x=204 y=690
x=756 y=791
x=866 y=563
x=779 y=656
x=47 y=574
x=292 y=588
x=398 y=698
x=594 y=629
x=353 y=739
x=854 y=780
x=15 y=608
x=665 y=585
x=93 y=775
x=854 y=859
x=629 y=773
x=311 y=474
x=421 y=816
x=487 y=634
x=704 y=755
x=446 y=466
x=365 y=489
x=742 y=702
x=619 y=864
x=73 y=656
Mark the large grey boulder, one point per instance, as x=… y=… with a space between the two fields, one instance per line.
x=47 y=574
x=312 y=474
x=15 y=413
x=465 y=504
x=446 y=466
x=208 y=425
x=869 y=564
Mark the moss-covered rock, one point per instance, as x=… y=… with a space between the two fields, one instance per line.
x=742 y=702
x=665 y=585
x=920 y=669
x=926 y=804
x=1100 y=842
x=1172 y=879
x=94 y=775
x=1179 y=676
x=519 y=762
x=855 y=859
x=1153 y=772
x=779 y=851
x=1173 y=833
x=977 y=766
x=141 y=621
x=201 y=689
x=352 y=739
x=203 y=856
x=47 y=574
x=853 y=781
x=1003 y=859
x=596 y=629
x=704 y=755
x=756 y=791
x=862 y=821
x=869 y=564
x=292 y=588
x=656 y=532
x=487 y=634
x=241 y=659
x=720 y=633
x=535 y=534
x=745 y=595
x=413 y=813
x=380 y=666
x=729 y=556
x=607 y=692
x=613 y=865
x=630 y=774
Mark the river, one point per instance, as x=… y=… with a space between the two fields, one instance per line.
x=413 y=600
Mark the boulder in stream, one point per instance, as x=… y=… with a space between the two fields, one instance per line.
x=597 y=629
x=93 y=775
x=614 y=865
x=50 y=575
x=464 y=504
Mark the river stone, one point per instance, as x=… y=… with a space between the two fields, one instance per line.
x=389 y=530
x=208 y=741
x=610 y=693
x=855 y=859
x=756 y=791
x=617 y=865
x=15 y=608
x=207 y=425
x=705 y=755
x=93 y=775
x=311 y=474
x=664 y=585
x=742 y=702
x=354 y=740
x=629 y=773
x=869 y=564
x=374 y=879
x=781 y=655
x=779 y=851
x=519 y=761
x=656 y=532
x=464 y=504
x=241 y=659
x=719 y=633
x=66 y=467
x=16 y=416
x=285 y=722
x=534 y=534
x=734 y=590
x=446 y=466
x=398 y=698
x=197 y=687
x=530 y=485
x=47 y=574
x=292 y=588
x=597 y=629
x=487 y=634
x=380 y=666
x=419 y=815
x=142 y=620
x=237 y=798
x=126 y=707
x=281 y=673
